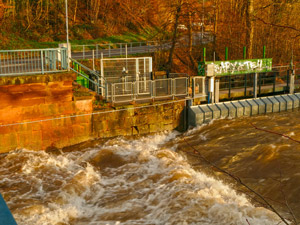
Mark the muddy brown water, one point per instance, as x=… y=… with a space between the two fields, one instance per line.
x=152 y=179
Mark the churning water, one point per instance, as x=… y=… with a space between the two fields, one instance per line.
x=151 y=180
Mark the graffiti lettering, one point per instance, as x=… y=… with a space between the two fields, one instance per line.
x=238 y=66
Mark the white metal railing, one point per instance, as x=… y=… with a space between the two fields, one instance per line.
x=112 y=49
x=199 y=87
x=148 y=90
x=33 y=61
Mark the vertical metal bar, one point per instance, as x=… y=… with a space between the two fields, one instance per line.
x=23 y=63
x=259 y=78
x=109 y=49
x=42 y=62
x=5 y=63
x=244 y=52
x=274 y=82
x=15 y=65
x=97 y=52
x=226 y=53
x=245 y=85
x=31 y=61
x=12 y=63
x=120 y=48
x=83 y=52
x=288 y=80
x=93 y=55
x=35 y=59
x=229 y=91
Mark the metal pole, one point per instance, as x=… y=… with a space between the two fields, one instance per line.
x=255 y=85
x=202 y=21
x=93 y=59
x=226 y=53
x=67 y=28
x=244 y=52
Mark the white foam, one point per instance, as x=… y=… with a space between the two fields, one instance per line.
x=155 y=185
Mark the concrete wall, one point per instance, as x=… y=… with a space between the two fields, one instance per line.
x=202 y=114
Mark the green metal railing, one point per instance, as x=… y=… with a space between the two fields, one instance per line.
x=33 y=61
x=89 y=78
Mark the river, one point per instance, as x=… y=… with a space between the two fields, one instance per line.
x=159 y=179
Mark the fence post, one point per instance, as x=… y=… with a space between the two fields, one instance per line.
x=229 y=88
x=292 y=82
x=259 y=77
x=83 y=53
x=109 y=48
x=217 y=90
x=42 y=61
x=287 y=79
x=255 y=85
x=93 y=53
x=245 y=86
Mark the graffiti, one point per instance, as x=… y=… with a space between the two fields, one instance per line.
x=229 y=67
x=238 y=66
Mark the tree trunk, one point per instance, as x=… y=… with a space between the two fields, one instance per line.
x=250 y=28
x=174 y=38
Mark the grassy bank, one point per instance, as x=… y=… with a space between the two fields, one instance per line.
x=11 y=41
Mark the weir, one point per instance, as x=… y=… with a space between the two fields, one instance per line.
x=201 y=114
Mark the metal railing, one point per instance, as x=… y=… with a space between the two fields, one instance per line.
x=199 y=87
x=33 y=61
x=118 y=70
x=148 y=90
x=89 y=78
x=267 y=83
x=113 y=49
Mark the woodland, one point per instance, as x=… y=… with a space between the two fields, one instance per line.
x=232 y=23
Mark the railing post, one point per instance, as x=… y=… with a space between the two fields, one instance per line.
x=217 y=90
x=83 y=52
x=97 y=52
x=109 y=49
x=245 y=86
x=93 y=55
x=274 y=82
x=229 y=90
x=292 y=81
x=259 y=77
x=287 y=79
x=42 y=61
x=255 y=85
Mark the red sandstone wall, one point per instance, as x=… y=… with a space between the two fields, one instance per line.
x=39 y=99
